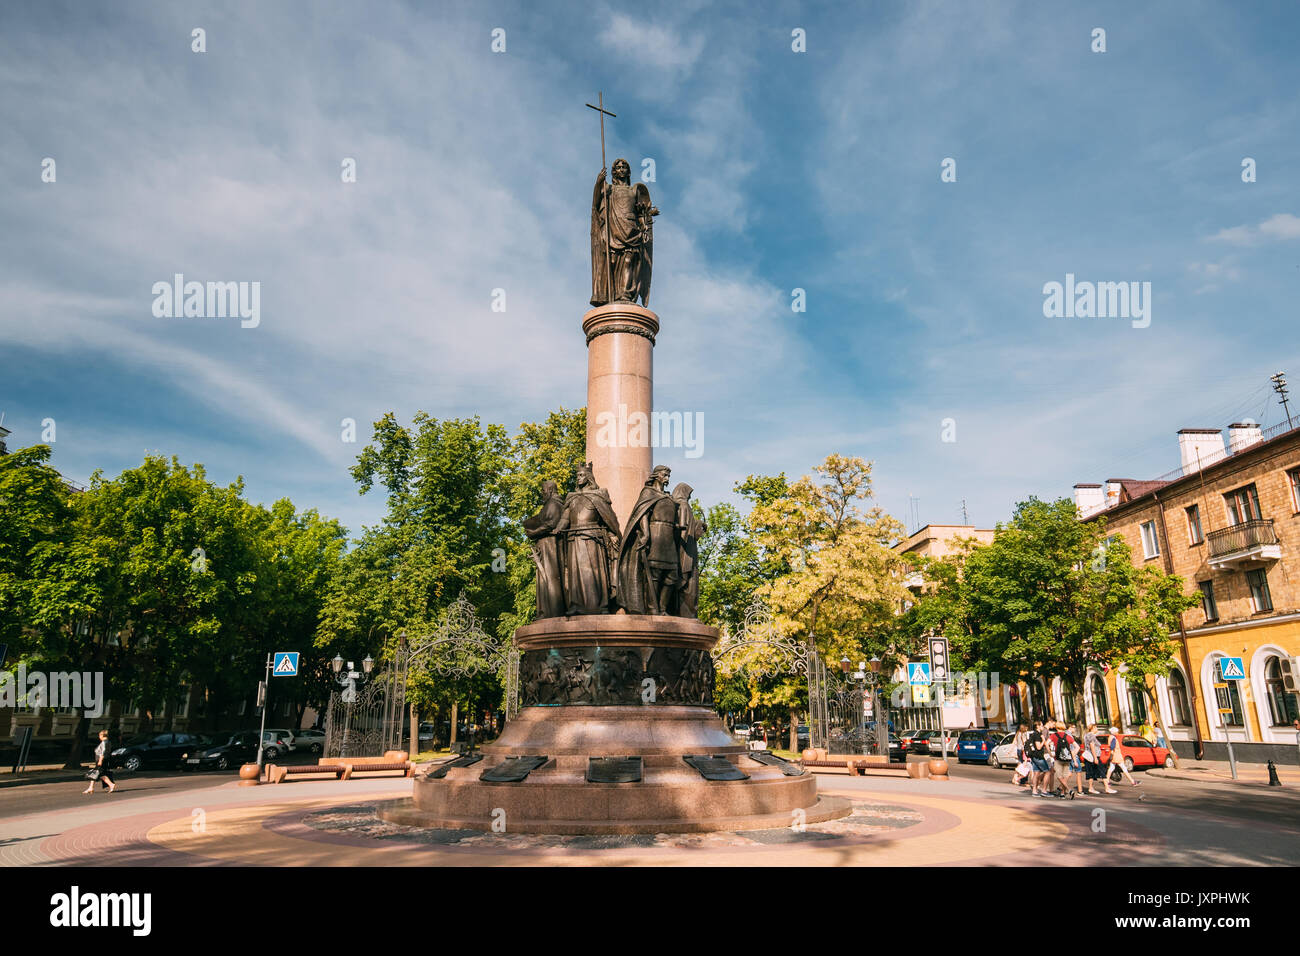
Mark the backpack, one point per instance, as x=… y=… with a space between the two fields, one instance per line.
x=1062 y=747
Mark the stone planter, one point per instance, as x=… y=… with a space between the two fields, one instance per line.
x=249 y=775
x=918 y=769
x=938 y=770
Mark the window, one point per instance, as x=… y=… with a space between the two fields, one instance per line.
x=1100 y=708
x=1150 y=546
x=1179 y=710
x=1260 y=599
x=1137 y=702
x=1228 y=696
x=1194 y=534
x=1243 y=505
x=1037 y=701
x=1207 y=600
x=1293 y=482
x=1017 y=715
x=1067 y=701
x=1281 y=705
x=288 y=708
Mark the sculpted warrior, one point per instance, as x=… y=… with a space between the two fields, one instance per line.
x=689 y=531
x=540 y=528
x=649 y=570
x=622 y=238
x=589 y=532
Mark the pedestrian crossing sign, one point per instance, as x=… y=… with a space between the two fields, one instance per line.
x=1231 y=668
x=286 y=664
x=918 y=673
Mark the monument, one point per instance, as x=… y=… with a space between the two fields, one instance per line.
x=616 y=731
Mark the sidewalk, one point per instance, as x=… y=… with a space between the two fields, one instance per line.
x=41 y=773
x=1217 y=771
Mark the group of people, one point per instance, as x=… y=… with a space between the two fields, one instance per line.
x=1052 y=756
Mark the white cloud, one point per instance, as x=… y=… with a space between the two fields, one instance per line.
x=1277 y=228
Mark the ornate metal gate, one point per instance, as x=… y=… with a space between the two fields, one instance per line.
x=760 y=648
x=366 y=720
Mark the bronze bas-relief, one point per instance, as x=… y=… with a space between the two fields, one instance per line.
x=628 y=676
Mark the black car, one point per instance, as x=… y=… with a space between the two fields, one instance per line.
x=921 y=742
x=154 y=750
x=222 y=754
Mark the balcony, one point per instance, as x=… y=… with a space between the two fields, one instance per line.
x=1241 y=544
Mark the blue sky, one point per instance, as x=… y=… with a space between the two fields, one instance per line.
x=775 y=170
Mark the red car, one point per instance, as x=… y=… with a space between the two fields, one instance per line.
x=1138 y=752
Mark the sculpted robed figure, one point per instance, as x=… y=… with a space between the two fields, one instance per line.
x=649 y=566
x=540 y=529
x=589 y=533
x=622 y=238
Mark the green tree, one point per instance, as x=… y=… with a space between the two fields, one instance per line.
x=838 y=585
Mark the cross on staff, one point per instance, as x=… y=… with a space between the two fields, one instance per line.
x=609 y=266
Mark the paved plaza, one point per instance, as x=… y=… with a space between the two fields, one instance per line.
x=974 y=819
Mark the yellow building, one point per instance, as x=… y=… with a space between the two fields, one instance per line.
x=1227 y=522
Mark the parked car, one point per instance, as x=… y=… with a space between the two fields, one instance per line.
x=920 y=742
x=1004 y=752
x=897 y=752
x=803 y=736
x=312 y=741
x=281 y=738
x=154 y=750
x=741 y=731
x=1138 y=752
x=236 y=749
x=977 y=746
x=937 y=738
x=906 y=736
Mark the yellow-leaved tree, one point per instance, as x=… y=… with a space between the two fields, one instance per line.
x=840 y=584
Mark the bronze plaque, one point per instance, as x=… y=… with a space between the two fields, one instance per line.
x=716 y=768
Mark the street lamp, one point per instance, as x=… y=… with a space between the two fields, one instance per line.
x=348 y=681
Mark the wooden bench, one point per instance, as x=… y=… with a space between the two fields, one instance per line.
x=860 y=765
x=277 y=774
x=344 y=768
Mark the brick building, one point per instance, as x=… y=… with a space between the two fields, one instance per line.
x=1228 y=522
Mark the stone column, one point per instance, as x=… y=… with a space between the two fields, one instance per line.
x=620 y=397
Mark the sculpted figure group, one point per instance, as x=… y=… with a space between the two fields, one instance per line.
x=585 y=566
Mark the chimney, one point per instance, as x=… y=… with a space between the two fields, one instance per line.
x=1242 y=435
x=1207 y=443
x=1113 y=487
x=1088 y=498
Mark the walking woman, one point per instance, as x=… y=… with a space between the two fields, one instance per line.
x=1117 y=761
x=1094 y=768
x=103 y=773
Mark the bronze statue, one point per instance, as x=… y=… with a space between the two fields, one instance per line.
x=540 y=528
x=689 y=531
x=622 y=238
x=589 y=532
x=649 y=570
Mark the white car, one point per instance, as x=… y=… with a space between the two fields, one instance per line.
x=278 y=742
x=936 y=741
x=1004 y=752
x=312 y=741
